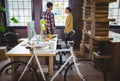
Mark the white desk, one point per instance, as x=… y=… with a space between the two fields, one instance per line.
x=20 y=51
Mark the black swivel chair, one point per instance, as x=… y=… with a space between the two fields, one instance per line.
x=11 y=39
x=63 y=45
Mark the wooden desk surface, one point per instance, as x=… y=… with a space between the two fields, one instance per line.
x=115 y=36
x=20 y=50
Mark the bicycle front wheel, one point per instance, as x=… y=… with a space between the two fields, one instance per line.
x=88 y=68
x=7 y=73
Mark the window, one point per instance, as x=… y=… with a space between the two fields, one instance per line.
x=21 y=10
x=58 y=10
x=114 y=12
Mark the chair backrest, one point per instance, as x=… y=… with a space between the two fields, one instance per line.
x=69 y=36
x=11 y=39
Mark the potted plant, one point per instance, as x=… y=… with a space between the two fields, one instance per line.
x=2 y=27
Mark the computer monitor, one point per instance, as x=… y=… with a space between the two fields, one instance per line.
x=41 y=31
x=31 y=30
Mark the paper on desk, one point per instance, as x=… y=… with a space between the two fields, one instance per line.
x=48 y=49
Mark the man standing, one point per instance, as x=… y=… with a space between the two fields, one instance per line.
x=49 y=17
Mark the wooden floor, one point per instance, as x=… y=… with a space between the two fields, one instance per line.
x=92 y=74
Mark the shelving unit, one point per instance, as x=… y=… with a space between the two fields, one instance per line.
x=95 y=28
x=86 y=25
x=3 y=51
x=101 y=56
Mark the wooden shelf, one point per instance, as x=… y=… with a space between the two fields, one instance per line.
x=104 y=1
x=101 y=11
x=87 y=19
x=105 y=20
x=99 y=20
x=102 y=29
x=84 y=6
x=99 y=38
x=101 y=15
x=87 y=46
x=96 y=25
x=96 y=55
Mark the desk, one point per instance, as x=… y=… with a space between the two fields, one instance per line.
x=115 y=52
x=20 y=51
x=21 y=40
x=115 y=36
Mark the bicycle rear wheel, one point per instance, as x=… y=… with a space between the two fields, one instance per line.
x=88 y=68
x=6 y=72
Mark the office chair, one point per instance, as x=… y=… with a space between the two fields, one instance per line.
x=63 y=45
x=11 y=39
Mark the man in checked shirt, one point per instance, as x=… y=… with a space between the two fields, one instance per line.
x=49 y=17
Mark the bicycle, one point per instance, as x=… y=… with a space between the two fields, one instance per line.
x=70 y=68
x=6 y=71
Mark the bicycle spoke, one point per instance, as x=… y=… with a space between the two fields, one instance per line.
x=6 y=73
x=90 y=72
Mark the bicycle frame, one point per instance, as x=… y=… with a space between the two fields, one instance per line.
x=72 y=56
